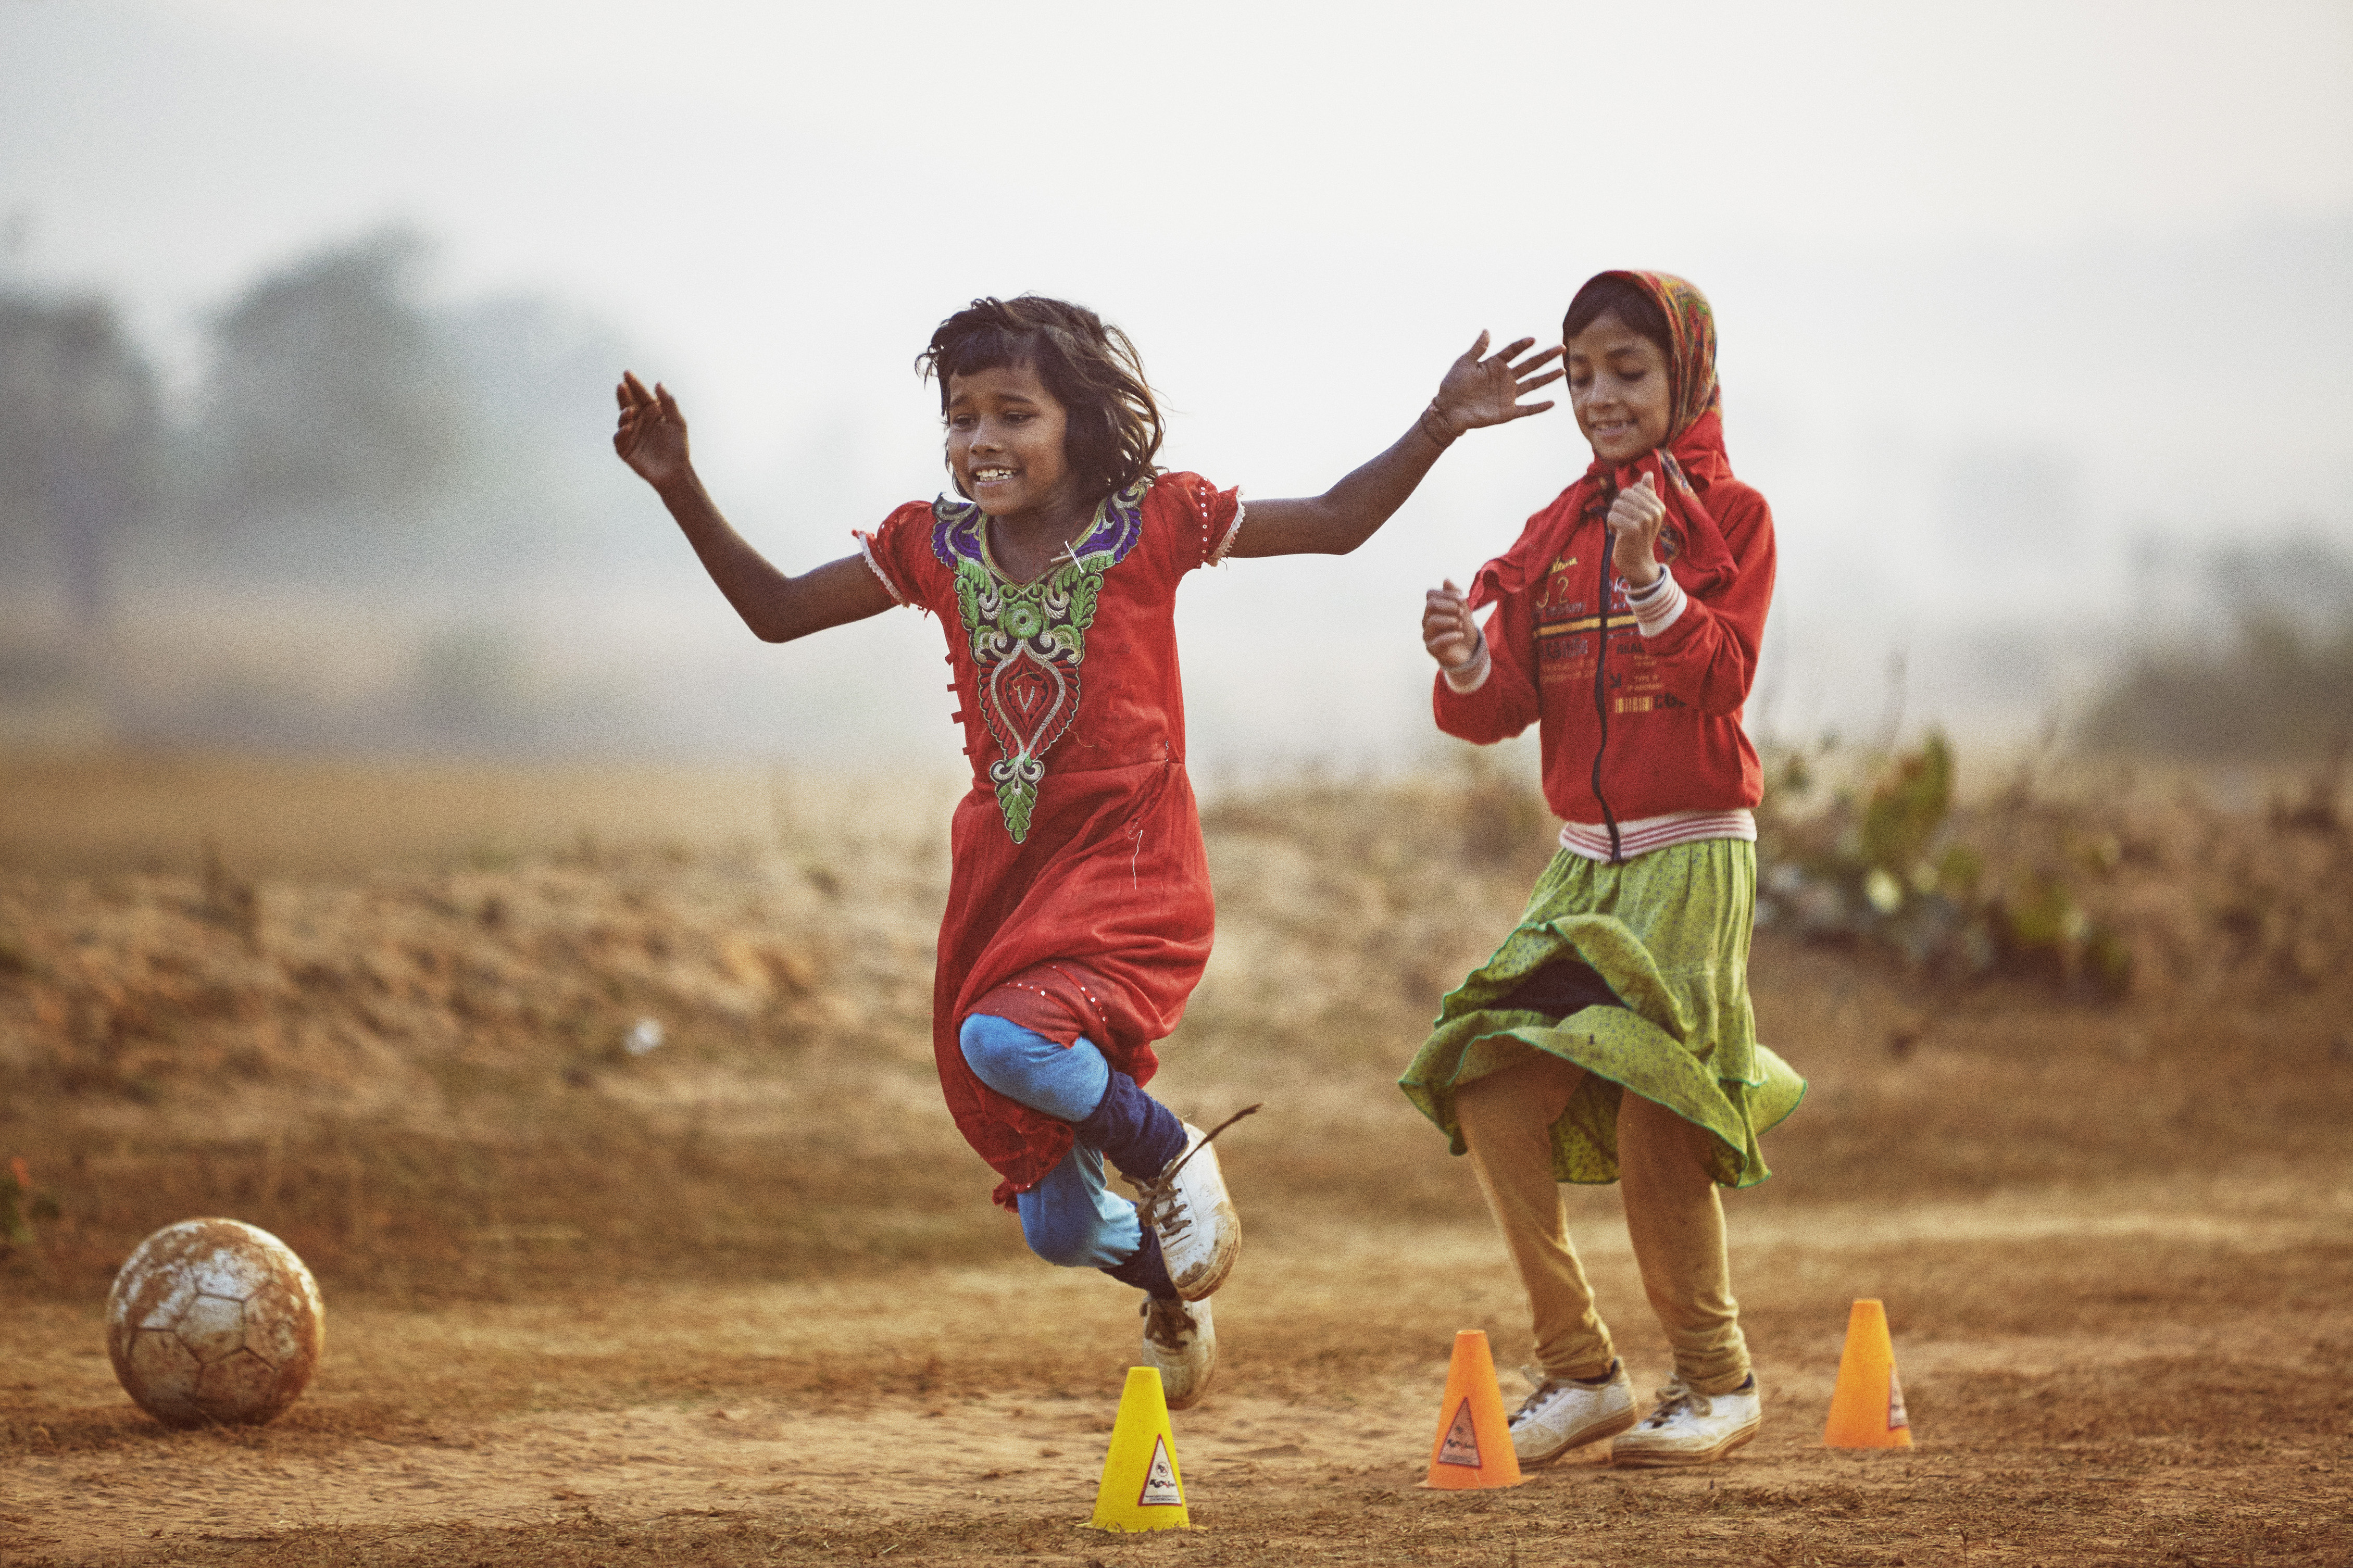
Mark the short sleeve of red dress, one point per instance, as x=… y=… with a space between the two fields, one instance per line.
x=1210 y=519
x=899 y=554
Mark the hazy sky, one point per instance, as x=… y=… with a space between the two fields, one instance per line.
x=2111 y=240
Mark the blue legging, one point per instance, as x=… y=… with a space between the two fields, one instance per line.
x=1072 y=1218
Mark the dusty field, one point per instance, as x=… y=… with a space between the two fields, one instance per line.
x=83 y=815
x=740 y=1299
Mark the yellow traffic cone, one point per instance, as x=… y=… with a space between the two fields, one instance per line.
x=1867 y=1407
x=1473 y=1445
x=1141 y=1487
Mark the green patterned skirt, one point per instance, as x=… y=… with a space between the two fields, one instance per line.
x=1669 y=931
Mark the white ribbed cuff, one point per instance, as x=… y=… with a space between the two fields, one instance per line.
x=1658 y=607
x=1472 y=676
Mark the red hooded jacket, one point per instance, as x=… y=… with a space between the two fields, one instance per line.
x=1670 y=703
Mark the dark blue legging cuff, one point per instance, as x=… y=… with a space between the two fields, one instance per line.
x=1135 y=1133
x=1146 y=1270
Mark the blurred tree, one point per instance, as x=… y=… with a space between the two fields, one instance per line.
x=334 y=418
x=2271 y=678
x=80 y=438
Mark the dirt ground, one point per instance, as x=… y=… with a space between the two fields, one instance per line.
x=742 y=1300
x=2197 y=1413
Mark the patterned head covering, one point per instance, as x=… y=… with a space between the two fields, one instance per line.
x=1691 y=352
x=1693 y=455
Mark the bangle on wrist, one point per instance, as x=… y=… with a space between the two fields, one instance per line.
x=1471 y=673
x=1441 y=435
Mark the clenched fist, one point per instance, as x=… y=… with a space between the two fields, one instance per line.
x=1635 y=518
x=1447 y=629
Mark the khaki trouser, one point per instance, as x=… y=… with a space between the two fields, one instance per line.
x=1672 y=1216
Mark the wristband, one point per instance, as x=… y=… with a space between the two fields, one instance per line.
x=1471 y=677
x=1658 y=607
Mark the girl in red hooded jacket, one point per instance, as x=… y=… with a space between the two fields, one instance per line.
x=1625 y=625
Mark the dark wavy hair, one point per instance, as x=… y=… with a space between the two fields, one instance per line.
x=1608 y=294
x=1113 y=430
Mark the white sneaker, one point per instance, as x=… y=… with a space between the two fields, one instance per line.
x=1687 y=1428
x=1187 y=1206
x=1562 y=1415
x=1180 y=1340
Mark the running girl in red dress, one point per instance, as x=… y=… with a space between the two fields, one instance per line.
x=1079 y=912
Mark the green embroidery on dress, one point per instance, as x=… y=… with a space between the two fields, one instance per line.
x=1028 y=639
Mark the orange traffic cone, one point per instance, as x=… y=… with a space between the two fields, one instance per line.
x=1473 y=1445
x=1867 y=1408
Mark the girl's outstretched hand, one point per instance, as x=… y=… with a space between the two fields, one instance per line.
x=651 y=435
x=1487 y=391
x=1635 y=518
x=1448 y=630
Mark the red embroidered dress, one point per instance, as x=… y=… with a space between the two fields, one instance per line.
x=1080 y=891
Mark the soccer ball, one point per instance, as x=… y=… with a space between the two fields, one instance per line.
x=213 y=1321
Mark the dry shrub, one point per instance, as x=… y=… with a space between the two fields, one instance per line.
x=2103 y=889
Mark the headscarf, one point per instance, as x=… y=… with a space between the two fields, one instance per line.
x=1681 y=470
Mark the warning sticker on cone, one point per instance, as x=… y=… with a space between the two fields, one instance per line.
x=1160 y=1489
x=1896 y=1416
x=1462 y=1445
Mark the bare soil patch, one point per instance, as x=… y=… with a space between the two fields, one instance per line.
x=739 y=1297
x=2138 y=1387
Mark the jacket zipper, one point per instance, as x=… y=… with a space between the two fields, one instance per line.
x=1600 y=668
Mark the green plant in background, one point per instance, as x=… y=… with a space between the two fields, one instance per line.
x=1907 y=806
x=1884 y=866
x=1958 y=871
x=21 y=1206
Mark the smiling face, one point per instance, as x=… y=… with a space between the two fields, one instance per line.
x=1618 y=387
x=1006 y=446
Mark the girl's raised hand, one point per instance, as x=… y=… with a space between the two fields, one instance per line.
x=651 y=434
x=1635 y=518
x=1487 y=391
x=1448 y=630
x=1479 y=389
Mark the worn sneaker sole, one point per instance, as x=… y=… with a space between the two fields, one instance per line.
x=1179 y=1392
x=1606 y=1427
x=1640 y=1458
x=1193 y=1395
